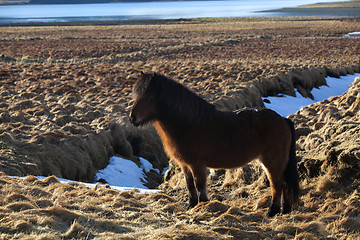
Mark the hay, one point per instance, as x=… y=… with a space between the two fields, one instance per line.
x=64 y=103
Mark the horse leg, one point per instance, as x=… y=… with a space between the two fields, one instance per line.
x=275 y=201
x=193 y=197
x=286 y=205
x=276 y=184
x=200 y=175
x=276 y=198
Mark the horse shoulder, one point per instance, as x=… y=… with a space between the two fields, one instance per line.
x=169 y=142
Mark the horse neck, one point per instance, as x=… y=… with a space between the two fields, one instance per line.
x=188 y=111
x=169 y=128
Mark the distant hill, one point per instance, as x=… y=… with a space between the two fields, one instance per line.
x=5 y=2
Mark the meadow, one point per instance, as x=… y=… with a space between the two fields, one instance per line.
x=65 y=94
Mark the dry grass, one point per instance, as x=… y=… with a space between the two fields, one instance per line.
x=44 y=209
x=64 y=97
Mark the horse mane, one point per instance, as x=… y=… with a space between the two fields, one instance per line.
x=178 y=104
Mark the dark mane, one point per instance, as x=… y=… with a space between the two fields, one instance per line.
x=178 y=104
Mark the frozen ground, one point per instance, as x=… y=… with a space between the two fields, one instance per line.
x=286 y=105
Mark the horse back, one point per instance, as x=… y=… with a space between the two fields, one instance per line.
x=263 y=128
x=254 y=123
x=233 y=139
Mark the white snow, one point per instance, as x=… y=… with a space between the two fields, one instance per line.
x=286 y=105
x=125 y=173
x=122 y=175
x=147 y=166
x=353 y=34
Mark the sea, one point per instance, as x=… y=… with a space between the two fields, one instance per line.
x=32 y=13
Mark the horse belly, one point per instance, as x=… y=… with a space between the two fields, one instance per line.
x=229 y=143
x=230 y=158
x=226 y=149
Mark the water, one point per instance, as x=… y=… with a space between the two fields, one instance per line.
x=144 y=10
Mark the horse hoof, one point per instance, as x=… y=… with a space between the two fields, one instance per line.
x=273 y=211
x=192 y=204
x=271 y=214
x=286 y=209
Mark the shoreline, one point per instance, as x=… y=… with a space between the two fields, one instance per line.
x=178 y=21
x=349 y=8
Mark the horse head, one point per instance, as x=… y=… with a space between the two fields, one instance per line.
x=144 y=109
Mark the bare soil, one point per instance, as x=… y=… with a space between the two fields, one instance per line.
x=64 y=98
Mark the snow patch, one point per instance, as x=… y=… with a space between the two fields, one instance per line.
x=353 y=34
x=122 y=175
x=125 y=173
x=147 y=166
x=286 y=105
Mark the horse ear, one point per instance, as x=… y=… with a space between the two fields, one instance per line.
x=154 y=77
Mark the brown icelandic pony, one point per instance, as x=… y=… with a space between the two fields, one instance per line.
x=197 y=137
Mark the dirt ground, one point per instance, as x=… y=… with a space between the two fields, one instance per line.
x=64 y=98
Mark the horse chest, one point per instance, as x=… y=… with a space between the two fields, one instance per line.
x=169 y=143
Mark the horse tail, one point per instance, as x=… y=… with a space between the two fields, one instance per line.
x=291 y=175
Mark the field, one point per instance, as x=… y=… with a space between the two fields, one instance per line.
x=64 y=99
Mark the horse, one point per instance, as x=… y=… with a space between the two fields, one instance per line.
x=197 y=136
